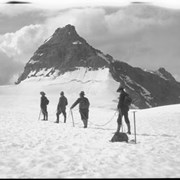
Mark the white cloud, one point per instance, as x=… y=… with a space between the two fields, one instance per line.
x=95 y=21
x=22 y=43
x=118 y=33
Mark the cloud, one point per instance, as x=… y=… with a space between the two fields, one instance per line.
x=22 y=43
x=137 y=34
x=9 y=70
x=16 y=49
x=144 y=36
x=96 y=24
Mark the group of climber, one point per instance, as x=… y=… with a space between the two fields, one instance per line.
x=84 y=104
x=61 y=107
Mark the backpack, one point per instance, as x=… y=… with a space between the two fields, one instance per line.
x=47 y=101
x=119 y=137
x=127 y=100
x=84 y=103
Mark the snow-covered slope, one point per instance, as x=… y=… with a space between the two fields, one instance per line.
x=36 y=149
x=65 y=54
x=97 y=84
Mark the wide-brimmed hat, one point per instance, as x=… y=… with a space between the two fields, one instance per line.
x=42 y=93
x=82 y=93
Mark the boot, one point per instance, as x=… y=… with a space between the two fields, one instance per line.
x=83 y=120
x=57 y=119
x=44 y=117
x=129 y=131
x=65 y=119
x=85 y=123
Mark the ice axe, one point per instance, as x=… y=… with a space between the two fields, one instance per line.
x=72 y=117
x=134 y=126
x=39 y=115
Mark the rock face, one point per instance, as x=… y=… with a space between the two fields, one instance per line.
x=148 y=89
x=66 y=51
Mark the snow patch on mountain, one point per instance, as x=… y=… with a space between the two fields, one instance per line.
x=32 y=61
x=81 y=74
x=103 y=56
x=76 y=42
x=47 y=39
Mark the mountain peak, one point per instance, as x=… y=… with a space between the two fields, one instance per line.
x=67 y=29
x=66 y=52
x=64 y=36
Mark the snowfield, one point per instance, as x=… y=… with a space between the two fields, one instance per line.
x=31 y=148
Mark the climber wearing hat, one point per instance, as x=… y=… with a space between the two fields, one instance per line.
x=43 y=105
x=61 y=107
x=83 y=108
x=123 y=109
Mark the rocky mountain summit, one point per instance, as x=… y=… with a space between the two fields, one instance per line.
x=66 y=51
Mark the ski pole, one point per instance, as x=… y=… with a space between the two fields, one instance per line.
x=72 y=117
x=39 y=115
x=134 y=125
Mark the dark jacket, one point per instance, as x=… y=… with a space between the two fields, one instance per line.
x=62 y=103
x=83 y=103
x=44 y=101
x=121 y=102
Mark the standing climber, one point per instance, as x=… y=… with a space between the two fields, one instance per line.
x=123 y=109
x=43 y=105
x=61 y=107
x=83 y=108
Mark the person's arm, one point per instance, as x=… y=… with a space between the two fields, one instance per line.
x=88 y=102
x=75 y=103
x=40 y=101
x=121 y=100
x=66 y=102
x=119 y=104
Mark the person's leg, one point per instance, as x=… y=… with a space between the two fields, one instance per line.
x=64 y=114
x=46 y=114
x=86 y=114
x=82 y=117
x=127 y=122
x=57 y=117
x=119 y=122
x=43 y=112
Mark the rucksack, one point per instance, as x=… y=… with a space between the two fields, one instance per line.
x=119 y=137
x=84 y=103
x=127 y=100
x=47 y=101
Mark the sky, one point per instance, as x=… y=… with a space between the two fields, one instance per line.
x=144 y=34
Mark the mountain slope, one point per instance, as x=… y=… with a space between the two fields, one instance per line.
x=39 y=149
x=65 y=51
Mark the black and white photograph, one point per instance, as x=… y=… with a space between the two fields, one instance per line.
x=89 y=89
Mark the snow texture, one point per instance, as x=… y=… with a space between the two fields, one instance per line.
x=31 y=148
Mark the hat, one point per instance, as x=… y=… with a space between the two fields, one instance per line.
x=42 y=93
x=62 y=93
x=120 y=88
x=82 y=93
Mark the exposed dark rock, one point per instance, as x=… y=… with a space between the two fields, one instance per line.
x=65 y=51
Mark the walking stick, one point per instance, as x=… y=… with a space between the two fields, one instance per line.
x=39 y=115
x=72 y=117
x=134 y=125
